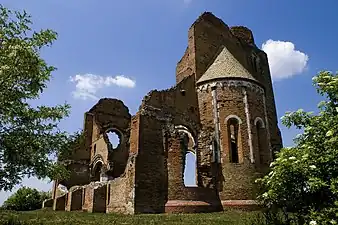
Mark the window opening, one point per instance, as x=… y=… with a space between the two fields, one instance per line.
x=97 y=172
x=260 y=140
x=114 y=139
x=190 y=170
x=233 y=128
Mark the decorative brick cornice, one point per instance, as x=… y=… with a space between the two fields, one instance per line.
x=226 y=83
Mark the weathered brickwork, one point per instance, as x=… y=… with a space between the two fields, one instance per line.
x=60 y=203
x=221 y=109
x=48 y=203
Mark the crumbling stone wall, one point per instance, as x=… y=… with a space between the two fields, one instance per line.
x=88 y=198
x=110 y=115
x=243 y=34
x=100 y=198
x=121 y=191
x=186 y=66
x=144 y=174
x=150 y=193
x=74 y=199
x=205 y=37
x=60 y=203
x=160 y=112
x=175 y=162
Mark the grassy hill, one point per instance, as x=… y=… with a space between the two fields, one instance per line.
x=52 y=217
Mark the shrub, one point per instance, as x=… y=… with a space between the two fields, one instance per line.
x=25 y=199
x=303 y=182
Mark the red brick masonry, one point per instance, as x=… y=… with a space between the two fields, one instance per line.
x=185 y=206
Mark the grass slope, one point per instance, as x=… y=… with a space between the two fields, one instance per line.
x=52 y=217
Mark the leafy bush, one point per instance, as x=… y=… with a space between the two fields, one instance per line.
x=25 y=199
x=303 y=182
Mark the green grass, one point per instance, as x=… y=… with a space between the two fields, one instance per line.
x=52 y=217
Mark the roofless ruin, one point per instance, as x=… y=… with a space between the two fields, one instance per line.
x=222 y=110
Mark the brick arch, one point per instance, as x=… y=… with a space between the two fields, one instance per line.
x=259 y=120
x=261 y=141
x=184 y=129
x=97 y=158
x=191 y=148
x=233 y=138
x=233 y=117
x=97 y=161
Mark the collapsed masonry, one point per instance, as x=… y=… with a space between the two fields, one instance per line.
x=222 y=109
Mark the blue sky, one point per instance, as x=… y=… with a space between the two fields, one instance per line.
x=131 y=47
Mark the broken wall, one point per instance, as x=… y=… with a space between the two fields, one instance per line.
x=159 y=113
x=111 y=115
x=206 y=35
x=74 y=199
x=121 y=191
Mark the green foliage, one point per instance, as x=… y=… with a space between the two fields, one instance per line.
x=74 y=142
x=303 y=182
x=25 y=199
x=29 y=135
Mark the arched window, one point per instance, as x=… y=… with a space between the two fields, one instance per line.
x=233 y=126
x=261 y=140
x=189 y=175
x=189 y=156
x=97 y=171
x=233 y=138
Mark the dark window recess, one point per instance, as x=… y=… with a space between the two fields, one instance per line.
x=233 y=126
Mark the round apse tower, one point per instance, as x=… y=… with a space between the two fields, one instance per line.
x=234 y=142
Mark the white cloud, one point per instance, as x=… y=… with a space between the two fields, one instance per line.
x=284 y=60
x=87 y=85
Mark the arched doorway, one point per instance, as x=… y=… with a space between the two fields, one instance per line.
x=97 y=171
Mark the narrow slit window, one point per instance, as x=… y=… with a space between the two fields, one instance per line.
x=254 y=63
x=261 y=141
x=233 y=140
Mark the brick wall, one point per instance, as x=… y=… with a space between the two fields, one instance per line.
x=88 y=198
x=121 y=191
x=150 y=193
x=74 y=199
x=147 y=168
x=111 y=114
x=60 y=203
x=100 y=198
x=241 y=100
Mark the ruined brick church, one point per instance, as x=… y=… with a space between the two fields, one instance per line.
x=221 y=109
